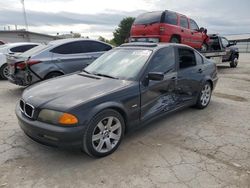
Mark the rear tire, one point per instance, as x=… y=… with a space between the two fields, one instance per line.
x=4 y=72
x=234 y=61
x=175 y=40
x=53 y=75
x=104 y=133
x=204 y=96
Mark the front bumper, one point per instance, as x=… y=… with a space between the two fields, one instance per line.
x=51 y=135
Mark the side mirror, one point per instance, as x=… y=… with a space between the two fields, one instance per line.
x=202 y=29
x=156 y=76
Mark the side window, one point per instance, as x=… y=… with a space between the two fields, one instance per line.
x=184 y=22
x=224 y=42
x=98 y=47
x=171 y=18
x=186 y=58
x=199 y=59
x=193 y=25
x=69 y=48
x=22 y=48
x=163 y=61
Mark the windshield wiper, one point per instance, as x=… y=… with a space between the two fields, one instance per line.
x=104 y=75
x=86 y=71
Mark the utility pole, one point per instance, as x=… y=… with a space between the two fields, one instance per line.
x=24 y=16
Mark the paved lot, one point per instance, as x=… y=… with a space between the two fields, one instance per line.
x=192 y=148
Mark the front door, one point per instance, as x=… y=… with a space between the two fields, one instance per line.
x=158 y=97
x=190 y=74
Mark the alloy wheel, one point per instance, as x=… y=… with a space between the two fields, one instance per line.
x=6 y=72
x=205 y=95
x=106 y=134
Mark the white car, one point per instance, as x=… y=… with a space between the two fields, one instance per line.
x=12 y=49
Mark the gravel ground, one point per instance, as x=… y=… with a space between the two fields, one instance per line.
x=191 y=148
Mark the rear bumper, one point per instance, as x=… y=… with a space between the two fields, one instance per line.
x=161 y=38
x=51 y=135
x=23 y=79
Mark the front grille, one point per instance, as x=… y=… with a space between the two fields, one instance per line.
x=27 y=109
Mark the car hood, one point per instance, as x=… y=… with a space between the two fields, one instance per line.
x=67 y=92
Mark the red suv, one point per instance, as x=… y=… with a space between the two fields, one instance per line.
x=168 y=26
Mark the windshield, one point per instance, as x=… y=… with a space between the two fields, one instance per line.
x=149 y=18
x=120 y=63
x=35 y=50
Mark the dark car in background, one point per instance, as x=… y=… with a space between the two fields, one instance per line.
x=122 y=89
x=168 y=26
x=57 y=58
x=230 y=53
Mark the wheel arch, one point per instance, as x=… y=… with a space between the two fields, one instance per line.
x=176 y=36
x=113 y=106
x=56 y=71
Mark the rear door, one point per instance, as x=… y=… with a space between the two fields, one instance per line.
x=75 y=56
x=196 y=36
x=185 y=32
x=158 y=97
x=190 y=74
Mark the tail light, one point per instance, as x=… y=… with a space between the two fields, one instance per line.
x=23 y=65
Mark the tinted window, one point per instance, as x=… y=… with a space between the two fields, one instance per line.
x=92 y=46
x=199 y=59
x=148 y=18
x=186 y=58
x=163 y=61
x=171 y=18
x=184 y=22
x=22 y=48
x=193 y=25
x=69 y=48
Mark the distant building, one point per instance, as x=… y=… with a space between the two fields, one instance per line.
x=243 y=41
x=11 y=36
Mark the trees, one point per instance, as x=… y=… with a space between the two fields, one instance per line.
x=121 y=34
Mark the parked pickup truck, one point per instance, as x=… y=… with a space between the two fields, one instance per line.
x=222 y=51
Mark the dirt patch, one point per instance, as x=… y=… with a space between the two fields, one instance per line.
x=230 y=97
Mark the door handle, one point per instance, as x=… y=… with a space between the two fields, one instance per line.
x=200 y=71
x=182 y=30
x=173 y=78
x=58 y=59
x=192 y=33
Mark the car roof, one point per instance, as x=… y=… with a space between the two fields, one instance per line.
x=149 y=45
x=63 y=41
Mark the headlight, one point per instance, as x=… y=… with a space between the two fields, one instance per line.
x=55 y=117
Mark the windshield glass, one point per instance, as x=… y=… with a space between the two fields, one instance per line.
x=35 y=50
x=120 y=63
x=149 y=18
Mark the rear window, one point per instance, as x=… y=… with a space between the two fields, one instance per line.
x=23 y=48
x=149 y=18
x=35 y=50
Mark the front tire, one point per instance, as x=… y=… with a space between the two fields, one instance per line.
x=4 y=72
x=104 y=133
x=234 y=61
x=204 y=47
x=204 y=96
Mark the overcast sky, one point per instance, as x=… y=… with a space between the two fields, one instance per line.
x=100 y=17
